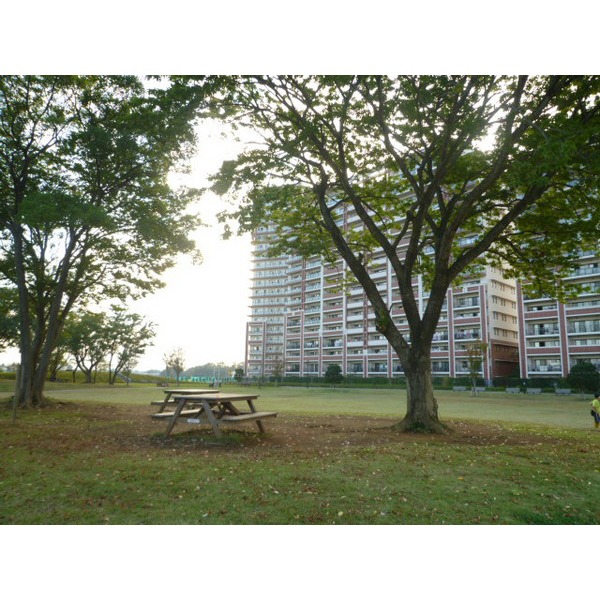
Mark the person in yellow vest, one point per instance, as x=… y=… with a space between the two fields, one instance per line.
x=595 y=404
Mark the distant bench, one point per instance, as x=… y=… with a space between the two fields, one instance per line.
x=534 y=390
x=513 y=390
x=563 y=392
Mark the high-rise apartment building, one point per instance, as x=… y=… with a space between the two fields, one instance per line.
x=555 y=336
x=269 y=301
x=331 y=322
x=306 y=315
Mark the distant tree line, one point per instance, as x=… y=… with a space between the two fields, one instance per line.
x=217 y=370
x=93 y=341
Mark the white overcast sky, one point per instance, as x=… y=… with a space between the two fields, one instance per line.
x=203 y=307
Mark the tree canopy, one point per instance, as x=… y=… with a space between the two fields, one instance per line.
x=86 y=209
x=442 y=172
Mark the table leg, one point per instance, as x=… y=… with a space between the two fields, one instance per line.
x=175 y=416
x=229 y=408
x=211 y=418
x=165 y=402
x=259 y=424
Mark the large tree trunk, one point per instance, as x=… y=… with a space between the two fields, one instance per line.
x=422 y=407
x=32 y=380
x=37 y=390
x=23 y=389
x=25 y=381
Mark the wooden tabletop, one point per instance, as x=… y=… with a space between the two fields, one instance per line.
x=224 y=397
x=186 y=391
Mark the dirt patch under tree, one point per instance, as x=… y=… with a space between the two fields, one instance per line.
x=129 y=428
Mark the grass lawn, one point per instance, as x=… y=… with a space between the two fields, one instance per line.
x=330 y=457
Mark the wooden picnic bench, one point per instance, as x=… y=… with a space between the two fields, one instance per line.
x=212 y=409
x=180 y=392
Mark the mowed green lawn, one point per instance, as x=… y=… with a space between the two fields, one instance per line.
x=80 y=463
x=544 y=409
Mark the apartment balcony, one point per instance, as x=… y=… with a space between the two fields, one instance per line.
x=541 y=331
x=311 y=345
x=333 y=316
x=440 y=350
x=378 y=369
x=354 y=318
x=466 y=303
x=583 y=308
x=585 y=272
x=333 y=344
x=468 y=318
x=583 y=327
x=467 y=335
x=332 y=306
x=545 y=369
x=544 y=344
x=332 y=329
x=355 y=304
x=462 y=372
x=355 y=344
x=537 y=307
x=331 y=294
x=543 y=351
x=586 y=342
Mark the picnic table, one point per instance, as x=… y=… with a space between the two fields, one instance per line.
x=211 y=408
x=180 y=392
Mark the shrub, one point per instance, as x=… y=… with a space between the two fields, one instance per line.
x=334 y=374
x=584 y=376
